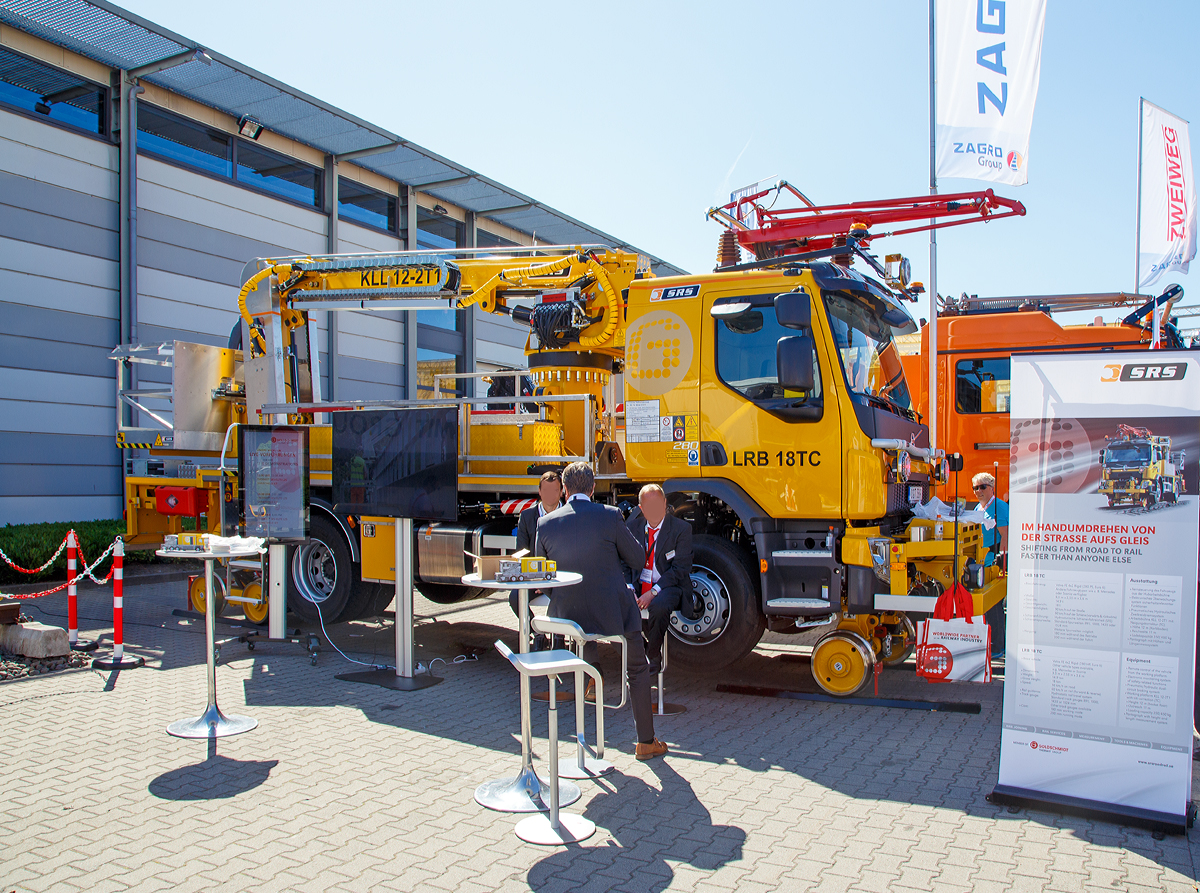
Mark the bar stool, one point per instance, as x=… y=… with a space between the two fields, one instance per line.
x=585 y=766
x=581 y=638
x=664 y=708
x=556 y=828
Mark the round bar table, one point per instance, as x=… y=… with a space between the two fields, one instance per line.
x=212 y=723
x=524 y=792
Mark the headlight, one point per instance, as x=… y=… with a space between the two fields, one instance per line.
x=881 y=551
x=902 y=466
x=941 y=470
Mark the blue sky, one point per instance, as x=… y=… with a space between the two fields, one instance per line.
x=654 y=110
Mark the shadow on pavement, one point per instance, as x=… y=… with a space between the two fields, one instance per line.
x=217 y=778
x=650 y=826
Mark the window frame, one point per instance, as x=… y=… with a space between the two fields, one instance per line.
x=813 y=407
x=957 y=377
x=393 y=228
x=105 y=131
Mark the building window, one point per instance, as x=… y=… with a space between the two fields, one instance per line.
x=982 y=385
x=437 y=230
x=278 y=174
x=185 y=142
x=367 y=206
x=436 y=362
x=484 y=239
x=52 y=94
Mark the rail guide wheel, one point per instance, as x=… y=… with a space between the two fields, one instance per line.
x=255 y=613
x=904 y=642
x=842 y=662
x=196 y=595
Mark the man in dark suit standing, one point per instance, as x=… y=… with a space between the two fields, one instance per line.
x=592 y=540
x=666 y=570
x=549 y=499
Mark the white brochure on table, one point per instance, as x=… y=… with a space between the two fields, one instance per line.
x=1099 y=676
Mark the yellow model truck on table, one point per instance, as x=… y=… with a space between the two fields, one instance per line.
x=767 y=399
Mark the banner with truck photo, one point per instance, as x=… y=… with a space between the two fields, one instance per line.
x=1099 y=676
x=988 y=64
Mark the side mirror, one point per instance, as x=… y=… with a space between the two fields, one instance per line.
x=1102 y=457
x=955 y=461
x=793 y=310
x=794 y=362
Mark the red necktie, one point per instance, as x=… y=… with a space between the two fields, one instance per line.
x=646 y=584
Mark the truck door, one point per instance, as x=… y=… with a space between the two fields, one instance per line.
x=781 y=446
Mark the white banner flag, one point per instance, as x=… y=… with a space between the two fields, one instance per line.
x=989 y=55
x=1167 y=215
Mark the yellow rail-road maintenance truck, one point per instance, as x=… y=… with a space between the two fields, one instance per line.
x=767 y=398
x=1139 y=468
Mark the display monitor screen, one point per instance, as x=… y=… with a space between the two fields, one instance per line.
x=399 y=463
x=273 y=480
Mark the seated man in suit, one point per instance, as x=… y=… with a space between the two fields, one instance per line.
x=550 y=498
x=665 y=575
x=592 y=540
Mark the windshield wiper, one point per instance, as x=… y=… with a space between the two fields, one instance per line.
x=888 y=403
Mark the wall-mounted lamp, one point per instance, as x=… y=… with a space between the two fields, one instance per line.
x=438 y=209
x=249 y=128
x=42 y=108
x=201 y=56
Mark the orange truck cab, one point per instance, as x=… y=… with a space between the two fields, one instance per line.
x=976 y=340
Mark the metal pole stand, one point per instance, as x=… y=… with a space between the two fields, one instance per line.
x=662 y=707
x=212 y=723
x=118 y=661
x=557 y=828
x=402 y=678
x=77 y=644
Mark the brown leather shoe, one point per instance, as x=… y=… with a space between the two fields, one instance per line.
x=650 y=750
x=589 y=694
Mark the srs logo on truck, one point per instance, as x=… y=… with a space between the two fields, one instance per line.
x=1144 y=372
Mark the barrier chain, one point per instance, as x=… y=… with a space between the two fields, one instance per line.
x=38 y=570
x=86 y=572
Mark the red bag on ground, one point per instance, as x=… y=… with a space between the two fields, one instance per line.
x=953 y=646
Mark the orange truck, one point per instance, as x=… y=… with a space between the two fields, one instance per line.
x=976 y=340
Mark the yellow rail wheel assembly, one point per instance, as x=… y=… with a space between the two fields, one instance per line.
x=255 y=612
x=842 y=662
x=196 y=594
x=904 y=639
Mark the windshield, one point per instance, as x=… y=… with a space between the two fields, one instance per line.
x=1127 y=454
x=865 y=343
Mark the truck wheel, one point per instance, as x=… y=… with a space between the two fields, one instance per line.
x=448 y=593
x=732 y=622
x=321 y=574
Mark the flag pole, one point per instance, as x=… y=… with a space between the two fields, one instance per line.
x=1137 y=251
x=932 y=328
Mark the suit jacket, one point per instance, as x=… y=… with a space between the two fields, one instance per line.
x=527 y=528
x=592 y=540
x=674 y=539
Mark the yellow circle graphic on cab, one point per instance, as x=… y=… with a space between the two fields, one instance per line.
x=658 y=353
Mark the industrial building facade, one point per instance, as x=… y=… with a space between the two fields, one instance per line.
x=107 y=240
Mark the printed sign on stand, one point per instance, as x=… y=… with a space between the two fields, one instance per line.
x=1100 y=668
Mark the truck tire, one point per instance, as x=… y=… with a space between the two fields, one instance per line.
x=321 y=576
x=732 y=623
x=448 y=593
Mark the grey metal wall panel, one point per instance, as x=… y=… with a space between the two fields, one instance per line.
x=369 y=390
x=188 y=262
x=57 y=201
x=42 y=229
x=499 y=330
x=148 y=334
x=57 y=449
x=24 y=479
x=205 y=239
x=69 y=328
x=53 y=356
x=352 y=370
x=38 y=509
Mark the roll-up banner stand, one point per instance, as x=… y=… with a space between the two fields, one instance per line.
x=1100 y=667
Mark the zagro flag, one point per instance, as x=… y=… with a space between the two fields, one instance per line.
x=1167 y=212
x=988 y=61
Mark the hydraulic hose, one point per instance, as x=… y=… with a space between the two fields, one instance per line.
x=611 y=316
x=252 y=283
x=485 y=294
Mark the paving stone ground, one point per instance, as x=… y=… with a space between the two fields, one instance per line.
x=354 y=787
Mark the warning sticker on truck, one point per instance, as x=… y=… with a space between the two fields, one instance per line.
x=674 y=428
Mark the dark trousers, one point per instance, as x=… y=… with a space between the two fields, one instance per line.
x=665 y=603
x=639 y=684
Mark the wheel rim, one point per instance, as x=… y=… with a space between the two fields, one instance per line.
x=906 y=630
x=841 y=662
x=314 y=571
x=254 y=613
x=713 y=622
x=197 y=595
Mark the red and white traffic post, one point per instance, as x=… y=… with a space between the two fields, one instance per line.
x=118 y=661
x=77 y=644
